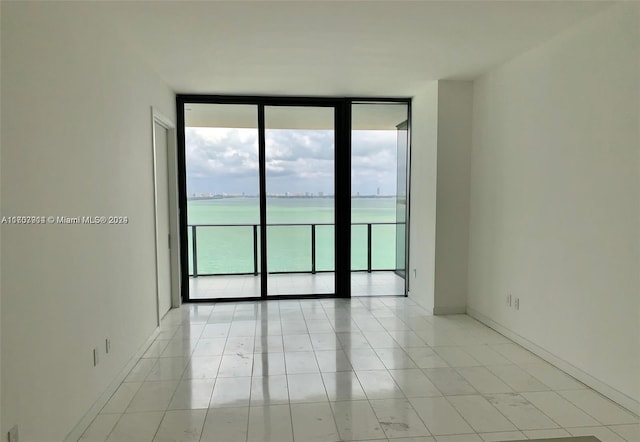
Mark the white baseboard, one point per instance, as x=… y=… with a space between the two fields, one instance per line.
x=449 y=310
x=90 y=415
x=429 y=310
x=603 y=388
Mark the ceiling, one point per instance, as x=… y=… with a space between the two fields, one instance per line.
x=345 y=48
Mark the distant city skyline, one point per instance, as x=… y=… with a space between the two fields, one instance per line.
x=285 y=195
x=225 y=161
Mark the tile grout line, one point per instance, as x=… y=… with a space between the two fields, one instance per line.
x=293 y=436
x=164 y=413
x=366 y=310
x=215 y=382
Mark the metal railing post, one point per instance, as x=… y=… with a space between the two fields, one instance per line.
x=194 y=249
x=313 y=248
x=255 y=250
x=369 y=248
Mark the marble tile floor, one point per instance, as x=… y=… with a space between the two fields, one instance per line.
x=379 y=283
x=365 y=369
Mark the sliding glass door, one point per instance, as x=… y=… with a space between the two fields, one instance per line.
x=299 y=188
x=222 y=200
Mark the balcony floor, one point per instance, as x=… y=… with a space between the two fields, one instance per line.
x=381 y=283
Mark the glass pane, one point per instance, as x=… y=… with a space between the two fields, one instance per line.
x=325 y=248
x=299 y=155
x=378 y=197
x=383 y=253
x=229 y=250
x=221 y=150
x=289 y=248
x=358 y=247
x=401 y=197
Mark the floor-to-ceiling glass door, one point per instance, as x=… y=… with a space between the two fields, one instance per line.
x=379 y=164
x=300 y=204
x=222 y=200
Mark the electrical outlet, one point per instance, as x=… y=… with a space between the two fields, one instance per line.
x=517 y=304
x=95 y=357
x=107 y=345
x=509 y=300
x=13 y=434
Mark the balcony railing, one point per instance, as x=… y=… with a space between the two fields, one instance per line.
x=250 y=233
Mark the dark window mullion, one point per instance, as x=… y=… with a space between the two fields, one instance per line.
x=182 y=198
x=343 y=199
x=263 y=200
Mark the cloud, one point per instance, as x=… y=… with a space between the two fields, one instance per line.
x=225 y=160
x=373 y=150
x=223 y=153
x=290 y=145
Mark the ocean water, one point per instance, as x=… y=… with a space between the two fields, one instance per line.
x=229 y=249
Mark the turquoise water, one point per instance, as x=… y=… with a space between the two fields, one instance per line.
x=230 y=249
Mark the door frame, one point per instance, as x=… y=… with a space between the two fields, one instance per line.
x=159 y=118
x=342 y=176
x=342 y=186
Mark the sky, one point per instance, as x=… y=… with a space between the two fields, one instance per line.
x=222 y=160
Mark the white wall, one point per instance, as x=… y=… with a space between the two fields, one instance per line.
x=555 y=200
x=424 y=132
x=440 y=163
x=452 y=201
x=76 y=140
